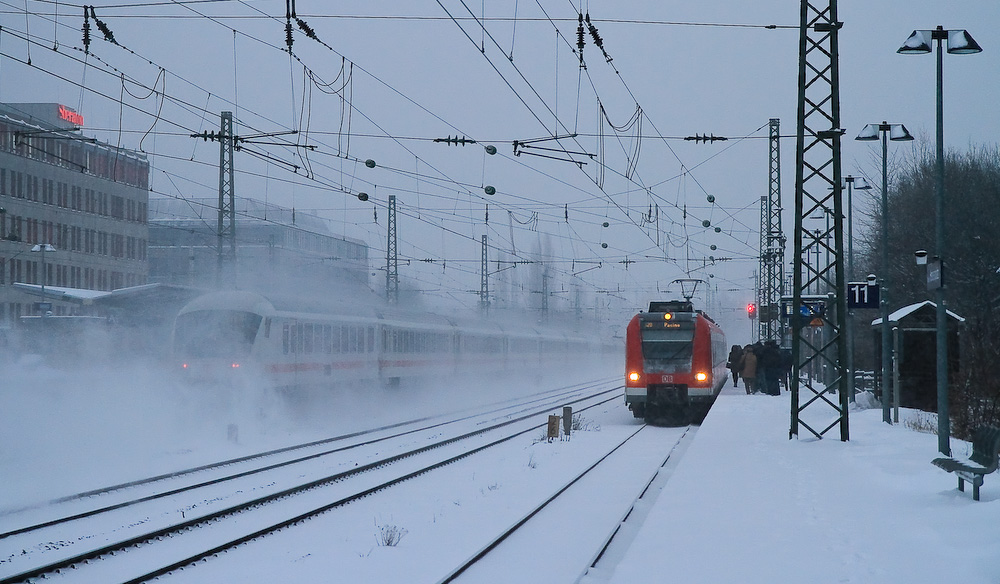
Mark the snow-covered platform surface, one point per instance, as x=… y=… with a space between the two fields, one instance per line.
x=748 y=505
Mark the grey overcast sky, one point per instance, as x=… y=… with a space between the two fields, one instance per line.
x=386 y=78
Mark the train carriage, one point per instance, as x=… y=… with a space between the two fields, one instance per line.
x=675 y=362
x=235 y=336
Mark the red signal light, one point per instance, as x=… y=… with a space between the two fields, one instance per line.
x=752 y=310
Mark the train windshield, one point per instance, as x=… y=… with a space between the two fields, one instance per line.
x=215 y=333
x=665 y=350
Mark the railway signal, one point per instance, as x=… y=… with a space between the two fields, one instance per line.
x=752 y=310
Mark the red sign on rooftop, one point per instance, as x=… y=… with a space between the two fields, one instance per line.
x=70 y=116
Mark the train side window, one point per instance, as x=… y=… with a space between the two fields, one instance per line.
x=298 y=339
x=327 y=339
x=284 y=339
x=354 y=339
x=267 y=328
x=371 y=339
x=308 y=338
x=344 y=339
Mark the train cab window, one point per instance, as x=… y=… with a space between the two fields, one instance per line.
x=668 y=344
x=216 y=333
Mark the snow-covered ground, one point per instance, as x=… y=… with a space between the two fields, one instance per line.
x=748 y=505
x=744 y=504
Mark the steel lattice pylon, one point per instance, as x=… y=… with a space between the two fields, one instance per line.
x=772 y=247
x=391 y=257
x=226 y=242
x=818 y=194
x=484 y=280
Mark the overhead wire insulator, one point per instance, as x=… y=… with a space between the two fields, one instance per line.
x=288 y=24
x=597 y=38
x=698 y=138
x=108 y=35
x=309 y=32
x=86 y=30
x=579 y=39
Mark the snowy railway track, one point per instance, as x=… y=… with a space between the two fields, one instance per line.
x=299 y=502
x=82 y=505
x=583 y=539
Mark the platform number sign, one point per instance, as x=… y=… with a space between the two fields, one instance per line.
x=862 y=295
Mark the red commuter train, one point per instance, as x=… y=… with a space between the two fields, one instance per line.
x=675 y=362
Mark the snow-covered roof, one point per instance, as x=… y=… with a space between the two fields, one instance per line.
x=908 y=310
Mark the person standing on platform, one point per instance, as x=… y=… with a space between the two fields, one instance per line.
x=770 y=366
x=749 y=371
x=735 y=363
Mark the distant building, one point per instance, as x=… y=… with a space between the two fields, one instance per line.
x=87 y=199
x=278 y=250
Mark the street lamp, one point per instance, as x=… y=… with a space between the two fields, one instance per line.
x=898 y=133
x=859 y=183
x=959 y=43
x=852 y=182
x=43 y=247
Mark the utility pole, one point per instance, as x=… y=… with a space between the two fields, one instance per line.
x=391 y=257
x=763 y=270
x=229 y=143
x=817 y=168
x=772 y=246
x=226 y=230
x=484 y=281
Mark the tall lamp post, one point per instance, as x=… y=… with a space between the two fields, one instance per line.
x=852 y=182
x=898 y=133
x=959 y=43
x=43 y=247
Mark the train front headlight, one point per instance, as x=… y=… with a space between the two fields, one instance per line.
x=701 y=376
x=634 y=376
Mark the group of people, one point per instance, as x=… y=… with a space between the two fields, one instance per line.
x=763 y=367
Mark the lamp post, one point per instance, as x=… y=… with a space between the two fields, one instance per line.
x=959 y=43
x=43 y=247
x=852 y=182
x=859 y=183
x=898 y=133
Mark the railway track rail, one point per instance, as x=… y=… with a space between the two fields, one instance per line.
x=386 y=471
x=546 y=522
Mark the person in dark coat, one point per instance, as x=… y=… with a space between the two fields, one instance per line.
x=769 y=365
x=786 y=368
x=735 y=362
x=749 y=371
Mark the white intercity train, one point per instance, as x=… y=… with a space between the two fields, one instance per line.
x=288 y=342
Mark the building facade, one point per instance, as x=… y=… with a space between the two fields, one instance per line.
x=87 y=200
x=278 y=250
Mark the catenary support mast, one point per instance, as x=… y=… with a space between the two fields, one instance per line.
x=817 y=398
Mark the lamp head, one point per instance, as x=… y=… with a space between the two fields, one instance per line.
x=961 y=43
x=871 y=278
x=921 y=257
x=899 y=133
x=870 y=132
x=918 y=43
x=860 y=184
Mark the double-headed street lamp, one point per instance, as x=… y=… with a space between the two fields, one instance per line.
x=43 y=247
x=898 y=133
x=959 y=43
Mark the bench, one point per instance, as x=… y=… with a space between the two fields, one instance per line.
x=985 y=452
